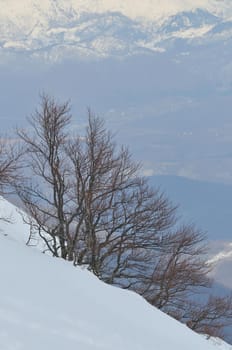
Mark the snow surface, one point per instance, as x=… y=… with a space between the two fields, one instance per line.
x=46 y=303
x=220 y=344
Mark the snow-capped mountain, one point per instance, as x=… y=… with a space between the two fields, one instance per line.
x=56 y=29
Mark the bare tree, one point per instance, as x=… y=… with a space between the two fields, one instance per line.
x=45 y=190
x=121 y=212
x=84 y=192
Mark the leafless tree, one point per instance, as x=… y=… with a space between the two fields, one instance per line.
x=45 y=190
x=85 y=194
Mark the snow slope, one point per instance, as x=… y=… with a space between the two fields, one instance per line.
x=46 y=303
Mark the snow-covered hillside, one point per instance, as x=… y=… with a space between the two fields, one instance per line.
x=46 y=303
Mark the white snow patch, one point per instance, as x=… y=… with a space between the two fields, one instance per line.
x=225 y=254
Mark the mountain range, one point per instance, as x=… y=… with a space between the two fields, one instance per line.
x=54 y=29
